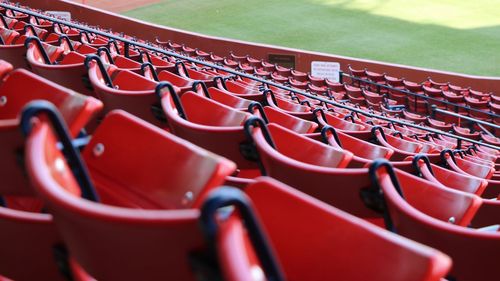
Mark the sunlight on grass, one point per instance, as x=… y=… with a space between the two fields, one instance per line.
x=462 y=14
x=453 y=35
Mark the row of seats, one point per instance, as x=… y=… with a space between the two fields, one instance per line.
x=452 y=94
x=356 y=95
x=157 y=216
x=373 y=96
x=319 y=164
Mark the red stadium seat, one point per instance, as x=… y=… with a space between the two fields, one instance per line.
x=29 y=242
x=353 y=92
x=457 y=89
x=65 y=65
x=281 y=118
x=353 y=129
x=307 y=165
x=291 y=219
x=283 y=71
x=159 y=63
x=278 y=78
x=436 y=85
x=294 y=109
x=364 y=152
x=413 y=117
x=479 y=105
x=170 y=153
x=436 y=94
x=316 y=81
x=440 y=125
x=464 y=132
x=218 y=128
x=166 y=233
x=424 y=212
x=402 y=148
x=238 y=90
x=221 y=96
x=448 y=178
x=360 y=74
x=415 y=104
x=193 y=74
x=396 y=94
x=479 y=95
x=123 y=89
x=13 y=49
x=467 y=167
x=490 y=139
x=76 y=109
x=298 y=75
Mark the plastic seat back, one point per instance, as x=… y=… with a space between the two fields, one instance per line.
x=471 y=168
x=13 y=52
x=223 y=140
x=306 y=150
x=473 y=251
x=451 y=179
x=364 y=152
x=68 y=72
x=169 y=161
x=28 y=242
x=123 y=89
x=201 y=110
x=338 y=187
x=444 y=204
x=19 y=88
x=402 y=148
x=288 y=121
x=161 y=244
x=227 y=99
x=315 y=241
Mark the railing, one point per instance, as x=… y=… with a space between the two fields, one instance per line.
x=128 y=43
x=417 y=96
x=436 y=109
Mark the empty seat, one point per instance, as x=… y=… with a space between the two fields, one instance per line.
x=417 y=118
x=13 y=49
x=448 y=178
x=155 y=238
x=311 y=167
x=353 y=129
x=123 y=89
x=296 y=224
x=424 y=212
x=439 y=125
x=217 y=127
x=402 y=148
x=284 y=119
x=19 y=88
x=238 y=89
x=364 y=152
x=358 y=75
x=466 y=133
x=64 y=66
x=296 y=109
x=221 y=96
x=464 y=166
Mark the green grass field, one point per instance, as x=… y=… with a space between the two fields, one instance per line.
x=454 y=35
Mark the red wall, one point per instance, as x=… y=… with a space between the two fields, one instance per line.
x=222 y=46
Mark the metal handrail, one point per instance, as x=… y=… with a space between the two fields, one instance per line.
x=238 y=73
x=436 y=109
x=491 y=114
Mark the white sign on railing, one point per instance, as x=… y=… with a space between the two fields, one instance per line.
x=60 y=15
x=326 y=69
